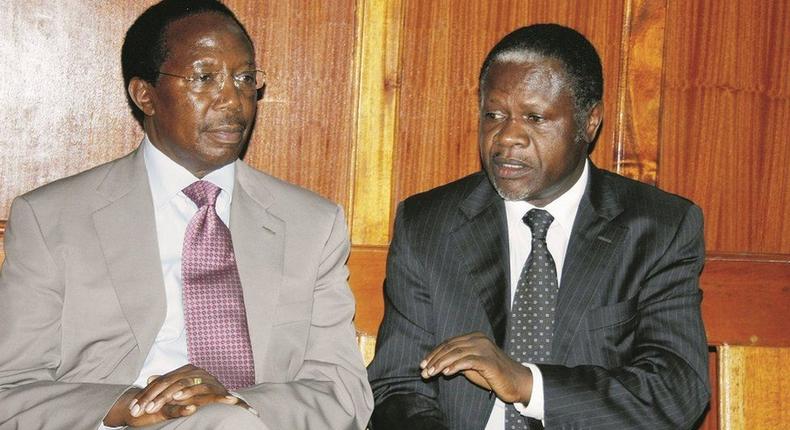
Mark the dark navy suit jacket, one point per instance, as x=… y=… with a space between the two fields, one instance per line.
x=629 y=348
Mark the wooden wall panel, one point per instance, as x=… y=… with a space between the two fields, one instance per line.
x=444 y=44
x=305 y=128
x=378 y=56
x=639 y=90
x=755 y=388
x=64 y=108
x=746 y=300
x=367 y=266
x=725 y=119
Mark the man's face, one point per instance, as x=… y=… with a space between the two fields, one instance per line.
x=202 y=131
x=529 y=144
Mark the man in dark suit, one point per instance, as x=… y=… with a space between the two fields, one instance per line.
x=178 y=287
x=544 y=291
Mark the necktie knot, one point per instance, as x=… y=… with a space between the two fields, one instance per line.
x=203 y=193
x=538 y=221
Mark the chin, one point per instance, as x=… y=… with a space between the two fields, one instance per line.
x=508 y=193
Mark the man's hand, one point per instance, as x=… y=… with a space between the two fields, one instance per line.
x=120 y=415
x=176 y=394
x=483 y=363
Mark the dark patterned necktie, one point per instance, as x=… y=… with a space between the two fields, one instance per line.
x=531 y=321
x=216 y=322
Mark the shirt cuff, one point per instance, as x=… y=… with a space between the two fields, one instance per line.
x=535 y=408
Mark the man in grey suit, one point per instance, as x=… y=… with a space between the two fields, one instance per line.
x=542 y=291
x=103 y=320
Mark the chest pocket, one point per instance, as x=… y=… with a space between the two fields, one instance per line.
x=611 y=331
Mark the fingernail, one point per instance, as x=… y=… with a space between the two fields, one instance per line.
x=133 y=404
x=150 y=408
x=190 y=408
x=431 y=370
x=423 y=364
x=178 y=394
x=136 y=410
x=231 y=397
x=446 y=371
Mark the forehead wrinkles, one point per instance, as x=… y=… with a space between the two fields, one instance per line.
x=526 y=73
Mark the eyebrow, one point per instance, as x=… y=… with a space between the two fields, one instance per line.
x=207 y=62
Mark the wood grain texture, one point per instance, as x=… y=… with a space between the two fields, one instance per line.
x=378 y=47
x=755 y=387
x=725 y=116
x=367 y=265
x=65 y=109
x=746 y=300
x=304 y=130
x=639 y=90
x=444 y=44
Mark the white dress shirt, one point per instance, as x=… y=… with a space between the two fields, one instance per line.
x=172 y=211
x=563 y=209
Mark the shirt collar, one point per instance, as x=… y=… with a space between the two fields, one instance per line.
x=563 y=208
x=168 y=178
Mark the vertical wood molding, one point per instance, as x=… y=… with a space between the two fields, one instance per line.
x=378 y=60
x=753 y=387
x=639 y=90
x=2 y=234
x=731 y=367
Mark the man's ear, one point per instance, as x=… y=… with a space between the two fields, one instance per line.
x=142 y=95
x=593 y=122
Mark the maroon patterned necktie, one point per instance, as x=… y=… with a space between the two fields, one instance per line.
x=215 y=319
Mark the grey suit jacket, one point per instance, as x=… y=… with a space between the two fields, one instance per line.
x=82 y=300
x=629 y=348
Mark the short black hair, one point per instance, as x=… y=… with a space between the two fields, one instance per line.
x=576 y=54
x=145 y=46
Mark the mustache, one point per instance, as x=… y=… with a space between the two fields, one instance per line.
x=233 y=123
x=499 y=159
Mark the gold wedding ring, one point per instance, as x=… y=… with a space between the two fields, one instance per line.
x=197 y=381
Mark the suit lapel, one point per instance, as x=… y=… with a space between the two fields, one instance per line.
x=127 y=234
x=480 y=239
x=591 y=250
x=259 y=244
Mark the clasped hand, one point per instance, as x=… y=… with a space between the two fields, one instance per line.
x=483 y=363
x=176 y=394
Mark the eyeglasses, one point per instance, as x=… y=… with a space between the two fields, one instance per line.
x=212 y=82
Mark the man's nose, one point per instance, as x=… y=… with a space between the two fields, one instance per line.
x=227 y=93
x=513 y=132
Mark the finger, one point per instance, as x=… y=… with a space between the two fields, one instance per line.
x=440 y=349
x=462 y=363
x=176 y=411
x=439 y=362
x=184 y=388
x=159 y=385
x=204 y=399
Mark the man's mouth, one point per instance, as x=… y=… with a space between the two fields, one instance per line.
x=509 y=168
x=230 y=133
